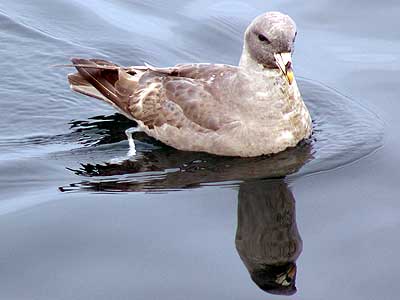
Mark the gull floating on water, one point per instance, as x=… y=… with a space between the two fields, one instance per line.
x=248 y=110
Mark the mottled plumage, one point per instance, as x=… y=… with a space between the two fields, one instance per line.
x=247 y=110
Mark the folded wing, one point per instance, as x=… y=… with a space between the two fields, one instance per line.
x=181 y=96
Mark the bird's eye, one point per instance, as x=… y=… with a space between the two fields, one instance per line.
x=263 y=38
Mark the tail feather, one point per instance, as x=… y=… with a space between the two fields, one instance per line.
x=101 y=83
x=80 y=85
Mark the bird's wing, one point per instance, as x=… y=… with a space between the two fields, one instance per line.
x=181 y=96
x=184 y=96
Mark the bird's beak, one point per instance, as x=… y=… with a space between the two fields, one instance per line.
x=284 y=63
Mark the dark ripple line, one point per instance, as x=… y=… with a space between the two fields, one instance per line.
x=43 y=140
x=27 y=29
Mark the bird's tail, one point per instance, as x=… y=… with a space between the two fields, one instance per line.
x=103 y=80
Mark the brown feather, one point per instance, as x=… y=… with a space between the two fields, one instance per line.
x=106 y=81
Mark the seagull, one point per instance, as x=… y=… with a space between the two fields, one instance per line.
x=248 y=110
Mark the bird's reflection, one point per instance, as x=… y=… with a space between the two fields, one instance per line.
x=267 y=239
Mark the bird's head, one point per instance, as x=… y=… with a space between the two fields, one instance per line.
x=269 y=41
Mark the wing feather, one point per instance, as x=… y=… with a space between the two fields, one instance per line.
x=181 y=96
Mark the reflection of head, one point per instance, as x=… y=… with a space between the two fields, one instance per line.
x=279 y=279
x=267 y=238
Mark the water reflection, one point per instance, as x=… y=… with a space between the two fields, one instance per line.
x=101 y=130
x=267 y=238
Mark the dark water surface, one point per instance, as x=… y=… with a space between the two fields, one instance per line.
x=80 y=219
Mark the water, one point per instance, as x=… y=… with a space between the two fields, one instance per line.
x=79 y=219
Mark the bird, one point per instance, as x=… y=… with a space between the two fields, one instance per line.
x=248 y=110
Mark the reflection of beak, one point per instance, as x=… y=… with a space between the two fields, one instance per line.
x=287 y=279
x=292 y=272
x=284 y=62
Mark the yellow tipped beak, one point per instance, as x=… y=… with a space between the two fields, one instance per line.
x=290 y=75
x=284 y=63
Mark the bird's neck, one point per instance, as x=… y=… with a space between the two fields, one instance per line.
x=267 y=78
x=247 y=62
x=250 y=65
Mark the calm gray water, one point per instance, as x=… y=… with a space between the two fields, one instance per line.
x=79 y=219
